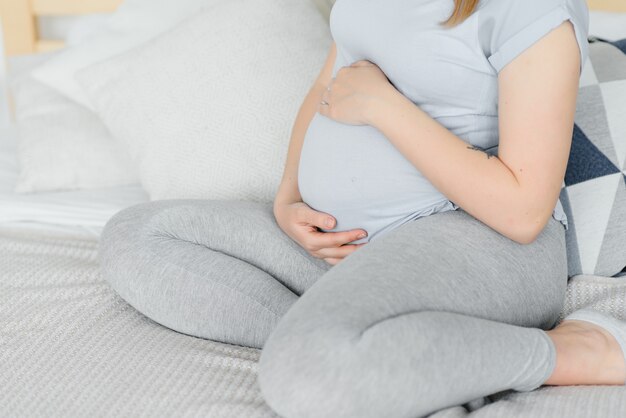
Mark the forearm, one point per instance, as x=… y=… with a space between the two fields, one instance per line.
x=288 y=190
x=481 y=184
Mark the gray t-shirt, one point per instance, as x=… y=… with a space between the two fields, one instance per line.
x=353 y=172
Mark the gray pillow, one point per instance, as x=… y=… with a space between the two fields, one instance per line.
x=594 y=194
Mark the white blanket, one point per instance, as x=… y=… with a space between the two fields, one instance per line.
x=71 y=347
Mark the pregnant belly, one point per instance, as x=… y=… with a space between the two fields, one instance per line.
x=355 y=174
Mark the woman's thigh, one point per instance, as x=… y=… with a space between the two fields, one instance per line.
x=449 y=261
x=222 y=270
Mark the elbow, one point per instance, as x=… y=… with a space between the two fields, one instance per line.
x=528 y=229
x=525 y=237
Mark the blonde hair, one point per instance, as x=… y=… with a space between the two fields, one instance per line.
x=462 y=10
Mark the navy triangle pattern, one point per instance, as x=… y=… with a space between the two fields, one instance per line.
x=586 y=161
x=621 y=44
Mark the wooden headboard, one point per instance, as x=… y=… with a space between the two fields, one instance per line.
x=19 y=21
x=608 y=5
x=19 y=18
x=599 y=5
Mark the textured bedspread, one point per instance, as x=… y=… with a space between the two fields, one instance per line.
x=69 y=346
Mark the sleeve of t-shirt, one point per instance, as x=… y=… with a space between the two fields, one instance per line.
x=507 y=28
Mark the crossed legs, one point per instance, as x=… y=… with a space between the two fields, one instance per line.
x=435 y=313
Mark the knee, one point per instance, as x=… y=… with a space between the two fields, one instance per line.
x=125 y=222
x=130 y=229
x=122 y=233
x=181 y=219
x=307 y=376
x=125 y=243
x=326 y=371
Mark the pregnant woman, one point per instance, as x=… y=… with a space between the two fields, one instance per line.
x=414 y=256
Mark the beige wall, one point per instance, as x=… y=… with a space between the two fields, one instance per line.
x=611 y=5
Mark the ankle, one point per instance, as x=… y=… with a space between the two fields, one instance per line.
x=587 y=354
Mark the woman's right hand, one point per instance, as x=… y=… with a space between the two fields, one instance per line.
x=301 y=222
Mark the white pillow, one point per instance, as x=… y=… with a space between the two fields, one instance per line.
x=86 y=26
x=324 y=7
x=134 y=22
x=607 y=25
x=62 y=145
x=206 y=109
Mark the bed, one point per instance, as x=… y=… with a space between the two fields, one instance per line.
x=70 y=346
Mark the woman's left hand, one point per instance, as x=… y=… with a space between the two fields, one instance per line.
x=354 y=92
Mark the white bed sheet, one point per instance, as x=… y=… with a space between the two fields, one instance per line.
x=80 y=210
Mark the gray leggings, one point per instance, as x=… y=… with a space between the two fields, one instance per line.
x=438 y=312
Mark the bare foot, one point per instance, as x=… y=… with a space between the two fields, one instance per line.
x=587 y=354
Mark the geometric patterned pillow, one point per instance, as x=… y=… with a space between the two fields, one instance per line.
x=594 y=192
